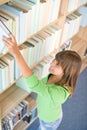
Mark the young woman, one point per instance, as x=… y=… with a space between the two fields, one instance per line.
x=54 y=89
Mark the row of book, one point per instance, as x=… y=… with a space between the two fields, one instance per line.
x=66 y=46
x=44 y=43
x=33 y=51
x=16 y=115
x=74 y=4
x=72 y=26
x=31 y=116
x=26 y=17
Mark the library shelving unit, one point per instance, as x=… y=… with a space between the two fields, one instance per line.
x=3 y=1
x=80 y=45
x=14 y=95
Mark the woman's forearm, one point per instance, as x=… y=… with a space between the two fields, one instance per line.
x=24 y=68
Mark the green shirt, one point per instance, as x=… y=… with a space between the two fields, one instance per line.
x=50 y=97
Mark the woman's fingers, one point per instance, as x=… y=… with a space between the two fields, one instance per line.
x=11 y=44
x=10 y=40
x=7 y=40
x=7 y=45
x=12 y=37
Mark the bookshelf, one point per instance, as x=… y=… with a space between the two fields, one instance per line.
x=3 y=2
x=13 y=95
x=81 y=41
x=24 y=124
x=11 y=98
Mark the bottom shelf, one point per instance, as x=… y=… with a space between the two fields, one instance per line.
x=31 y=117
x=23 y=125
x=26 y=111
x=10 y=98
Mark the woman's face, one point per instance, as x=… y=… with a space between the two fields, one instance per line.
x=55 y=68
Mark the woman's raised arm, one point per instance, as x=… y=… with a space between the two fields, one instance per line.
x=12 y=47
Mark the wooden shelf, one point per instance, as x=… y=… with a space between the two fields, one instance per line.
x=84 y=64
x=22 y=125
x=10 y=98
x=79 y=42
x=63 y=7
x=0 y=117
x=68 y=13
x=79 y=46
x=10 y=85
x=82 y=34
x=4 y=1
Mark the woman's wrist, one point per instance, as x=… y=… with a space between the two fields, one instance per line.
x=17 y=54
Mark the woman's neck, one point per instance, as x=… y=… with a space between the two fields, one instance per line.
x=53 y=79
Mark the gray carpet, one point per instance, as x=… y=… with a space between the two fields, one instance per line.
x=75 y=109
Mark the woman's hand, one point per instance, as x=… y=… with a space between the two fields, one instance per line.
x=11 y=44
x=12 y=47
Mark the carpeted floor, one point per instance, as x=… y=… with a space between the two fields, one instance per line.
x=75 y=109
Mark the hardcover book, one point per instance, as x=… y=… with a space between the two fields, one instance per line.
x=3 y=31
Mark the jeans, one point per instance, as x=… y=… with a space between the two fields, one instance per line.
x=50 y=125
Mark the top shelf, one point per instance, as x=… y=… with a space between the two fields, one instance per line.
x=3 y=1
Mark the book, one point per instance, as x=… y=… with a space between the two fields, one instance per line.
x=54 y=12
x=30 y=18
x=72 y=5
x=43 y=45
x=78 y=18
x=39 y=47
x=66 y=45
x=4 y=74
x=33 y=113
x=65 y=32
x=15 y=24
x=21 y=20
x=34 y=51
x=1 y=76
x=30 y=52
x=5 y=20
x=25 y=13
x=8 y=19
x=3 y=31
x=9 y=59
x=82 y=10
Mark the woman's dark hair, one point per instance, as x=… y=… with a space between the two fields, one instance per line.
x=70 y=62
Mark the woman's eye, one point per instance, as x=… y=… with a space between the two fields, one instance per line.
x=57 y=64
